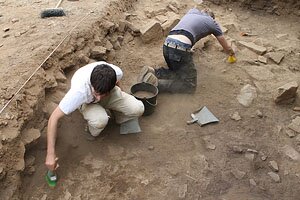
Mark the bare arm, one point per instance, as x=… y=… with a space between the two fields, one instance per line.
x=51 y=138
x=225 y=45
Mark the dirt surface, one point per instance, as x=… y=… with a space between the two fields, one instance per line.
x=233 y=159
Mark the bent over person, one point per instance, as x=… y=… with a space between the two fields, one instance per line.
x=94 y=88
x=181 y=74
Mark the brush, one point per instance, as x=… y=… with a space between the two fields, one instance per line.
x=53 y=12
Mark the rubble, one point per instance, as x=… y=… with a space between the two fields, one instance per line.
x=291 y=153
x=286 y=93
x=262 y=59
x=274 y=166
x=295 y=125
x=152 y=31
x=257 y=49
x=98 y=53
x=276 y=56
x=274 y=176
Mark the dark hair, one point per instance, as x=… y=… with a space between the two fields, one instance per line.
x=103 y=78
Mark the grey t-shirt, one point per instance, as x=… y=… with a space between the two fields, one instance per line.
x=199 y=24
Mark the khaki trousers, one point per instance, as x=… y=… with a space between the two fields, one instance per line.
x=124 y=107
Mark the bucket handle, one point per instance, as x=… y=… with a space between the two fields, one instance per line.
x=153 y=105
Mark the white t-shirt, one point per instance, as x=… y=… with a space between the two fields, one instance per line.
x=81 y=88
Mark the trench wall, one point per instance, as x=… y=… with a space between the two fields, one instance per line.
x=25 y=120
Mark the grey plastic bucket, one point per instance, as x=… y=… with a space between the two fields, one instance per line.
x=150 y=101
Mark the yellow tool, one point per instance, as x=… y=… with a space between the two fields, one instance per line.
x=231 y=59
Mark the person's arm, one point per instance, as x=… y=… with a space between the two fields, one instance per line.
x=51 y=138
x=225 y=45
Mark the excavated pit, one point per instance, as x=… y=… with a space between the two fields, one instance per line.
x=169 y=160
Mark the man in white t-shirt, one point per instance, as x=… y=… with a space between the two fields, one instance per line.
x=94 y=88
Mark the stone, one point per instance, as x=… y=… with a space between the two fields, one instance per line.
x=252 y=151
x=116 y=45
x=134 y=30
x=295 y=125
x=60 y=76
x=274 y=176
x=262 y=59
x=253 y=47
x=151 y=148
x=274 y=166
x=259 y=114
x=291 y=153
x=30 y=136
x=281 y=36
x=235 y=116
x=98 y=53
x=238 y=174
x=6 y=29
x=122 y=26
x=286 y=93
x=109 y=26
x=97 y=41
x=109 y=45
x=276 y=56
x=14 y=20
x=247 y=95
x=210 y=146
x=296 y=109
x=263 y=158
x=169 y=24
x=173 y=8
x=252 y=182
x=151 y=31
x=290 y=133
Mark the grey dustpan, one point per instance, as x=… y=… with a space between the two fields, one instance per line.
x=202 y=117
x=131 y=126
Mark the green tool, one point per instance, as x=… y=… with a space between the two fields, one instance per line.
x=51 y=178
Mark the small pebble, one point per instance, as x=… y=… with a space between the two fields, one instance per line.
x=151 y=148
x=252 y=182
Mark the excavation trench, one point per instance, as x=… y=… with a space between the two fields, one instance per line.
x=169 y=159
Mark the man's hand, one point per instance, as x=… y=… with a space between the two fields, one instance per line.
x=51 y=162
x=231 y=52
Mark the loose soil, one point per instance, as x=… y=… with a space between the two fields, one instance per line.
x=169 y=159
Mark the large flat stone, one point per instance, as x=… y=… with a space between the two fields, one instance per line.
x=256 y=48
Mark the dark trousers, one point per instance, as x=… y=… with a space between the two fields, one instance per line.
x=181 y=75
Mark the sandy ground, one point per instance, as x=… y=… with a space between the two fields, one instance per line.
x=169 y=159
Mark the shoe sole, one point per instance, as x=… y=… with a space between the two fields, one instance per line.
x=144 y=72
